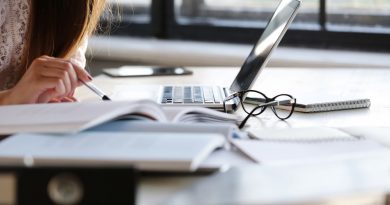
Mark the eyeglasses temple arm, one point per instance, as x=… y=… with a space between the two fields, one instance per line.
x=242 y=124
x=281 y=102
x=232 y=96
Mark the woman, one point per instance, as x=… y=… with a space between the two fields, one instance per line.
x=42 y=48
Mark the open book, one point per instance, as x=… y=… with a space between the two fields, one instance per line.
x=146 y=151
x=75 y=117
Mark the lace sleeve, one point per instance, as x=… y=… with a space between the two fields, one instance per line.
x=3 y=12
x=79 y=57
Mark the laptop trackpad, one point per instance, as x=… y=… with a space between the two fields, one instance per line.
x=135 y=92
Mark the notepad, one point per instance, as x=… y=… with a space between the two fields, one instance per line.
x=324 y=105
x=292 y=145
x=302 y=135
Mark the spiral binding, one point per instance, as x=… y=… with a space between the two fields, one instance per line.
x=342 y=105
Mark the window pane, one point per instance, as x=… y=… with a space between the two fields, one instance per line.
x=241 y=13
x=137 y=11
x=359 y=15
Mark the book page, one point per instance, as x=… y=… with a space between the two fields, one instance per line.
x=226 y=130
x=48 y=113
x=69 y=117
x=198 y=114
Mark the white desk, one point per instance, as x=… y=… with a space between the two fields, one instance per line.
x=371 y=83
x=368 y=83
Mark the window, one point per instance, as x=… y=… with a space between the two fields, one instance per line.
x=134 y=10
x=239 y=13
x=359 y=24
x=130 y=17
x=359 y=15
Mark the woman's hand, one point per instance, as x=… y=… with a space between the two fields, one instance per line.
x=65 y=99
x=48 y=79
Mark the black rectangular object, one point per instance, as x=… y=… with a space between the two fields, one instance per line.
x=74 y=185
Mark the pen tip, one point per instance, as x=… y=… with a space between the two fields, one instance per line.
x=106 y=98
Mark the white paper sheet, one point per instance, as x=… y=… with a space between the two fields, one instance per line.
x=271 y=152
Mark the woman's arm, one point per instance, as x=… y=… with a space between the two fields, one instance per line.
x=3 y=97
x=47 y=78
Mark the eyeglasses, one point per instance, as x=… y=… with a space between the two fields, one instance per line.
x=282 y=105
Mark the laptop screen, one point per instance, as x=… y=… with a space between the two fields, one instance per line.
x=270 y=38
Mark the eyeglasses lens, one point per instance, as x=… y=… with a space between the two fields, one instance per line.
x=254 y=99
x=284 y=110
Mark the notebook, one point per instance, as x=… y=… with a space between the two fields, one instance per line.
x=147 y=151
x=302 y=145
x=323 y=105
x=333 y=106
x=212 y=96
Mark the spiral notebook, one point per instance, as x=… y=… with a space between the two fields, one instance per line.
x=332 y=105
x=324 y=105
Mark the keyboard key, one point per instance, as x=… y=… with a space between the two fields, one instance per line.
x=198 y=100
x=187 y=94
x=208 y=95
x=166 y=101
x=217 y=95
x=168 y=91
x=167 y=95
x=178 y=95
x=198 y=97
x=188 y=101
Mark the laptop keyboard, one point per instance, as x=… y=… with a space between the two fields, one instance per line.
x=191 y=95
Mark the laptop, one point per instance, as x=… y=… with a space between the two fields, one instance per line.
x=212 y=96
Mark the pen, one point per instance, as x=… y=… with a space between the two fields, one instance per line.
x=96 y=90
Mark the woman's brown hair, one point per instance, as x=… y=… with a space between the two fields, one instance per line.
x=58 y=27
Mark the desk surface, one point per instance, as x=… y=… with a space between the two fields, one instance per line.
x=370 y=83
x=300 y=82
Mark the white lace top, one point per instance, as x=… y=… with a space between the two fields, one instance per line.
x=14 y=17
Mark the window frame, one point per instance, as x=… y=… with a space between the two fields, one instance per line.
x=163 y=25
